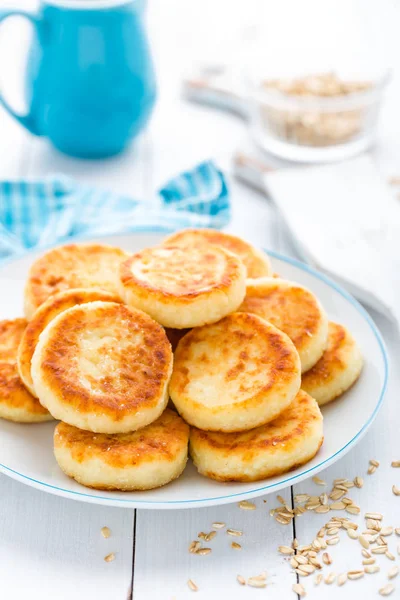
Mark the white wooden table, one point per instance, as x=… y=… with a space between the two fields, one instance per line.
x=51 y=547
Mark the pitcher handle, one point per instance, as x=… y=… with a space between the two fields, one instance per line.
x=26 y=120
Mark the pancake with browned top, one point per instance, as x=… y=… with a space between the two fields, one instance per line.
x=284 y=444
x=46 y=312
x=256 y=262
x=293 y=309
x=72 y=266
x=184 y=287
x=337 y=370
x=233 y=375
x=140 y=460
x=103 y=367
x=16 y=403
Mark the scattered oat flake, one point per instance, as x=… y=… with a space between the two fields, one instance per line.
x=379 y=550
x=299 y=589
x=337 y=506
x=307 y=569
x=285 y=550
x=246 y=505
x=326 y=558
x=355 y=574
x=324 y=508
x=236 y=546
x=300 y=498
x=241 y=580
x=371 y=569
x=333 y=540
x=374 y=516
x=396 y=464
x=352 y=534
x=318 y=480
x=396 y=490
x=256 y=582
x=374 y=463
x=366 y=553
x=368 y=561
x=282 y=520
x=235 y=532
x=203 y=551
x=194 y=546
x=363 y=541
x=393 y=572
x=371 y=470
x=342 y=578
x=218 y=525
x=353 y=509
x=389 y=555
x=358 y=482
x=387 y=590
x=201 y=535
x=330 y=578
x=280 y=499
x=105 y=532
x=318 y=579
x=110 y=557
x=192 y=585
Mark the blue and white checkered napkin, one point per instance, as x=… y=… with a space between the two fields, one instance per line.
x=39 y=213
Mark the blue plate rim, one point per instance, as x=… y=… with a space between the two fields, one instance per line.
x=132 y=503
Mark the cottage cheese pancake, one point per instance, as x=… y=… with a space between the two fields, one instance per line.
x=140 y=460
x=103 y=367
x=293 y=309
x=337 y=370
x=184 y=287
x=256 y=262
x=52 y=307
x=233 y=375
x=72 y=266
x=286 y=443
x=16 y=403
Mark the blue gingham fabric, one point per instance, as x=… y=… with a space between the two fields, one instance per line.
x=35 y=214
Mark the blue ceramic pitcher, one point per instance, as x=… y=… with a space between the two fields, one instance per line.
x=90 y=83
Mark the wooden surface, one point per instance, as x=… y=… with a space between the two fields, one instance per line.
x=53 y=548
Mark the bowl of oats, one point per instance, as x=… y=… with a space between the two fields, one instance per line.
x=317 y=117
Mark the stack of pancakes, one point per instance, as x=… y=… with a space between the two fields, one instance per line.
x=246 y=358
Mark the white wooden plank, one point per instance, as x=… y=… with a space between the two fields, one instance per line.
x=52 y=548
x=380 y=443
x=163 y=564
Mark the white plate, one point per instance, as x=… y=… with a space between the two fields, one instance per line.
x=26 y=451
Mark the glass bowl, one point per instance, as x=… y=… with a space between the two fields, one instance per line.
x=303 y=119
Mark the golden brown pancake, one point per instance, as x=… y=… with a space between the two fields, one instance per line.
x=183 y=287
x=103 y=367
x=140 y=460
x=11 y=332
x=293 y=309
x=284 y=444
x=72 y=266
x=256 y=262
x=233 y=375
x=337 y=370
x=46 y=312
x=16 y=403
